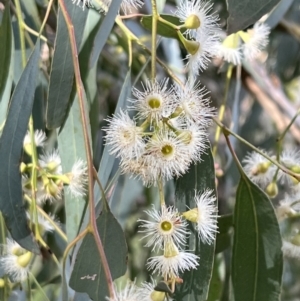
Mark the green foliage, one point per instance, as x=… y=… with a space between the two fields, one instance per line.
x=200 y=177
x=163 y=29
x=11 y=145
x=88 y=274
x=62 y=70
x=245 y=13
x=257 y=257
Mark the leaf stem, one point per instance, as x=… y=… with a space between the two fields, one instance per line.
x=222 y=108
x=79 y=87
x=154 y=32
x=161 y=192
x=39 y=287
x=21 y=32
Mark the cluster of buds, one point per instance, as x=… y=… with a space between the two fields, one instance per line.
x=50 y=178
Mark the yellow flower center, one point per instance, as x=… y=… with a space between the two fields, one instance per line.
x=167 y=150
x=166 y=226
x=154 y=103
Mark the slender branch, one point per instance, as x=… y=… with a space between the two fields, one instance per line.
x=222 y=108
x=227 y=131
x=154 y=32
x=39 y=287
x=80 y=92
x=161 y=191
x=21 y=31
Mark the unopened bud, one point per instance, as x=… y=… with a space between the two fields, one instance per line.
x=23 y=167
x=295 y=169
x=244 y=36
x=192 y=22
x=272 y=190
x=232 y=41
x=52 y=188
x=157 y=296
x=23 y=260
x=263 y=167
x=191 y=215
x=191 y=46
x=28 y=148
x=2 y=283
x=170 y=249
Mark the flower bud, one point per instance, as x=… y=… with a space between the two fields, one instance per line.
x=170 y=249
x=28 y=148
x=157 y=296
x=192 y=22
x=244 y=36
x=23 y=260
x=191 y=215
x=23 y=167
x=272 y=190
x=191 y=46
x=295 y=169
x=232 y=41
x=2 y=283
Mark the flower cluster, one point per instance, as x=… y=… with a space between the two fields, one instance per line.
x=247 y=45
x=167 y=134
x=50 y=177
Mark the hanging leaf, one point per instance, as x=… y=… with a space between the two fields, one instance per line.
x=11 y=145
x=225 y=229
x=71 y=148
x=62 y=70
x=104 y=31
x=88 y=274
x=257 y=256
x=5 y=49
x=243 y=13
x=200 y=177
x=162 y=28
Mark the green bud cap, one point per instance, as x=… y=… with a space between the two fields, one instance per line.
x=28 y=149
x=24 y=259
x=192 y=22
x=296 y=240
x=272 y=190
x=263 y=167
x=157 y=296
x=191 y=46
x=295 y=169
x=232 y=41
x=2 y=283
x=244 y=36
x=23 y=167
x=191 y=215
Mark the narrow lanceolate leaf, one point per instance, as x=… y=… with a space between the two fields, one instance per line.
x=162 y=28
x=62 y=70
x=225 y=229
x=243 y=13
x=257 y=256
x=88 y=274
x=5 y=49
x=104 y=31
x=200 y=177
x=71 y=148
x=11 y=144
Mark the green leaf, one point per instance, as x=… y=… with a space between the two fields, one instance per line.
x=62 y=69
x=243 y=13
x=88 y=275
x=223 y=239
x=162 y=28
x=5 y=49
x=257 y=256
x=201 y=176
x=71 y=148
x=104 y=31
x=11 y=145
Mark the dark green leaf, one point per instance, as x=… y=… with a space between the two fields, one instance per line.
x=162 y=28
x=11 y=145
x=5 y=48
x=62 y=69
x=104 y=31
x=257 y=256
x=200 y=177
x=225 y=227
x=88 y=275
x=243 y=13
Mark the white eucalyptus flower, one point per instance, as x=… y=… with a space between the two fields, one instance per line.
x=51 y=162
x=15 y=261
x=129 y=293
x=258 y=168
x=124 y=137
x=196 y=15
x=204 y=215
x=172 y=262
x=290 y=250
x=155 y=102
x=194 y=103
x=78 y=179
x=167 y=225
